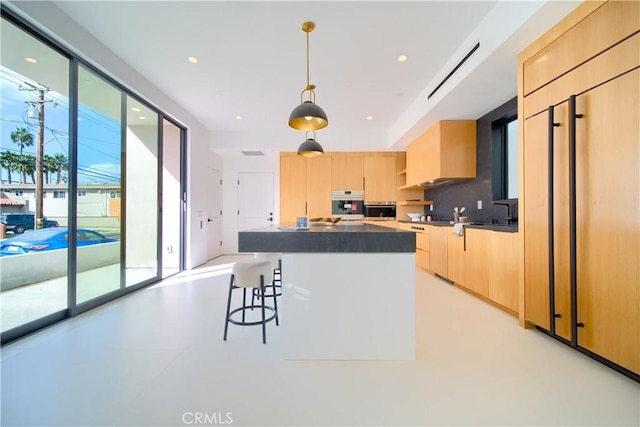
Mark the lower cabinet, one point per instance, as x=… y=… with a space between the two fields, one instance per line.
x=477 y=277
x=439 y=255
x=423 y=243
x=485 y=262
x=423 y=249
x=502 y=267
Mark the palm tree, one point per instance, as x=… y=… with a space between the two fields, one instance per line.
x=30 y=167
x=24 y=163
x=48 y=166
x=61 y=164
x=22 y=137
x=9 y=161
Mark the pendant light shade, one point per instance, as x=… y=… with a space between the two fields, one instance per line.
x=311 y=147
x=308 y=115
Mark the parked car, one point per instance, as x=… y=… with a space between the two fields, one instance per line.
x=18 y=223
x=47 y=239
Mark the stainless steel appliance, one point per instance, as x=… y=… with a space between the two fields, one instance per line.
x=380 y=211
x=347 y=204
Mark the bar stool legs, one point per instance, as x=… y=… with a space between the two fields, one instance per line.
x=251 y=274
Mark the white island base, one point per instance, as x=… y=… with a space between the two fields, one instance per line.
x=348 y=306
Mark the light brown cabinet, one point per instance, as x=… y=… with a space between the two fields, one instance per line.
x=423 y=243
x=485 y=262
x=446 y=151
x=305 y=187
x=347 y=172
x=380 y=178
x=502 y=269
x=476 y=275
x=293 y=188
x=439 y=250
x=586 y=108
x=456 y=257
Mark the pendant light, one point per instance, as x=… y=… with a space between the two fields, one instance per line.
x=308 y=116
x=311 y=147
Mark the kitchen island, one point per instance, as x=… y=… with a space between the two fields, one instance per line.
x=348 y=290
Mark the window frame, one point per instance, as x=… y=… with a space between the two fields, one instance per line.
x=499 y=157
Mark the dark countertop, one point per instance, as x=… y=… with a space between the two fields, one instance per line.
x=328 y=239
x=493 y=227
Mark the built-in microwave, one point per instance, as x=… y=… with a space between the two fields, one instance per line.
x=347 y=204
x=380 y=210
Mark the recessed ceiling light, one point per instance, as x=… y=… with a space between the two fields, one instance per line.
x=136 y=109
x=192 y=59
x=238 y=117
x=402 y=58
x=31 y=60
x=369 y=118
x=142 y=118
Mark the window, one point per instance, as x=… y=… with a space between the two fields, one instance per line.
x=114 y=195
x=82 y=193
x=505 y=158
x=59 y=194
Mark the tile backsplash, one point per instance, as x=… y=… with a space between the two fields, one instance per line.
x=468 y=193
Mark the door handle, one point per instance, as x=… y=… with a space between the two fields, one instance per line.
x=270 y=219
x=550 y=215
x=209 y=219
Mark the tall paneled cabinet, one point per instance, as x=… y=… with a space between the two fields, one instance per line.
x=579 y=95
x=305 y=187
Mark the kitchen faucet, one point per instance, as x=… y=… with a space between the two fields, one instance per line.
x=508 y=218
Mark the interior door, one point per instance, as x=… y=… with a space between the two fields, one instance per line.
x=255 y=200
x=608 y=219
x=214 y=214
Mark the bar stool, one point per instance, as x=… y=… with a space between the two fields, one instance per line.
x=253 y=274
x=276 y=263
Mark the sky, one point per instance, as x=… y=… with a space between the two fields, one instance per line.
x=98 y=135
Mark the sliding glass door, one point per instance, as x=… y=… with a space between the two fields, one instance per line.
x=98 y=207
x=34 y=162
x=97 y=168
x=141 y=196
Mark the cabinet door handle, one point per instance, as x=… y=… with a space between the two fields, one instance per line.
x=552 y=286
x=572 y=219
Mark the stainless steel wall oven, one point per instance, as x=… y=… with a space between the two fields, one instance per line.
x=347 y=204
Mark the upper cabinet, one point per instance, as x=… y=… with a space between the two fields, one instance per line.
x=347 y=172
x=445 y=152
x=306 y=183
x=380 y=178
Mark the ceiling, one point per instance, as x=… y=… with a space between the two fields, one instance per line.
x=251 y=62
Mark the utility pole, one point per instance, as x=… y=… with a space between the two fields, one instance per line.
x=39 y=153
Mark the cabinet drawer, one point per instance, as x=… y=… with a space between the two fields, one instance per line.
x=423 y=241
x=423 y=259
x=606 y=26
x=614 y=62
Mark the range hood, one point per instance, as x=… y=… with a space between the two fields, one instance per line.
x=432 y=184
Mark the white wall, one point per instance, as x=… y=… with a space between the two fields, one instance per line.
x=235 y=163
x=69 y=34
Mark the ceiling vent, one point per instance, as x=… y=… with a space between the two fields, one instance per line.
x=252 y=153
x=452 y=72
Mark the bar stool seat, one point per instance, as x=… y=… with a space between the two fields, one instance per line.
x=275 y=259
x=251 y=274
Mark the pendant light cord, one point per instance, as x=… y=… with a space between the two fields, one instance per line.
x=307 y=59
